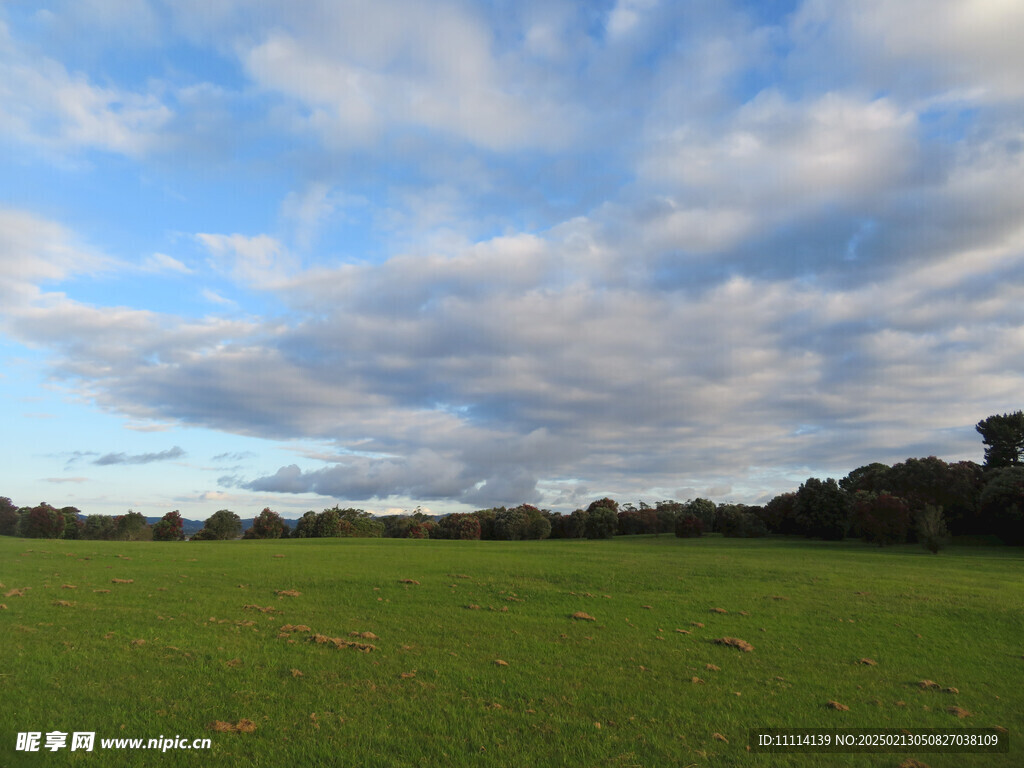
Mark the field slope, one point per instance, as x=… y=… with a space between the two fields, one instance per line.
x=477 y=661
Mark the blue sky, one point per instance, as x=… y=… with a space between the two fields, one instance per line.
x=461 y=254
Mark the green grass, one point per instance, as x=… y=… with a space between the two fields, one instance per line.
x=956 y=618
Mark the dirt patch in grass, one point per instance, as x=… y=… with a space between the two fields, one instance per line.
x=233 y=663
x=779 y=597
x=718 y=610
x=696 y=680
x=712 y=668
x=122 y=581
x=287 y=593
x=338 y=642
x=408 y=675
x=17 y=592
x=734 y=642
x=278 y=555
x=500 y=663
x=458 y=576
x=102 y=591
x=295 y=628
x=409 y=581
x=958 y=711
x=836 y=705
x=296 y=673
x=581 y=616
x=364 y=635
x=260 y=608
x=928 y=685
x=68 y=586
x=912 y=763
x=697 y=624
x=3 y=606
x=242 y=726
x=472 y=607
x=719 y=737
x=138 y=642
x=868 y=662
x=63 y=603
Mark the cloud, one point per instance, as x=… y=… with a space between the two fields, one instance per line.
x=60 y=480
x=259 y=261
x=45 y=106
x=161 y=262
x=139 y=458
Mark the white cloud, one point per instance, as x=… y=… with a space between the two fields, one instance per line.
x=44 y=105
x=161 y=262
x=261 y=261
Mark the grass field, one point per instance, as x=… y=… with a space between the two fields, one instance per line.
x=176 y=649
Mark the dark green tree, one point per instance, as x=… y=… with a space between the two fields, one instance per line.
x=602 y=522
x=98 y=527
x=1003 y=436
x=8 y=517
x=72 y=523
x=41 y=522
x=1002 y=502
x=222 y=525
x=132 y=526
x=822 y=509
x=267 y=525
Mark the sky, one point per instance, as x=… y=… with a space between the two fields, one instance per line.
x=389 y=254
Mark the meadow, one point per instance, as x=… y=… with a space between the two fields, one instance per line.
x=370 y=652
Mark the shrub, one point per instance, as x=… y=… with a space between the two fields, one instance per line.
x=602 y=522
x=222 y=525
x=689 y=527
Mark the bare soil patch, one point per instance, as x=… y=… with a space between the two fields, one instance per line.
x=581 y=616
x=838 y=706
x=734 y=642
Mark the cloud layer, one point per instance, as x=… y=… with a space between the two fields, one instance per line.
x=534 y=255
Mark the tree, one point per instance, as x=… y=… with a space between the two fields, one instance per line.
x=98 y=527
x=267 y=525
x=931 y=528
x=602 y=522
x=822 y=509
x=170 y=527
x=41 y=522
x=459 y=526
x=8 y=517
x=871 y=477
x=689 y=527
x=703 y=510
x=1003 y=436
x=880 y=518
x=72 y=524
x=779 y=514
x=305 y=526
x=511 y=524
x=131 y=526
x=220 y=526
x=1002 y=502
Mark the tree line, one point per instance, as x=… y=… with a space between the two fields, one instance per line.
x=922 y=499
